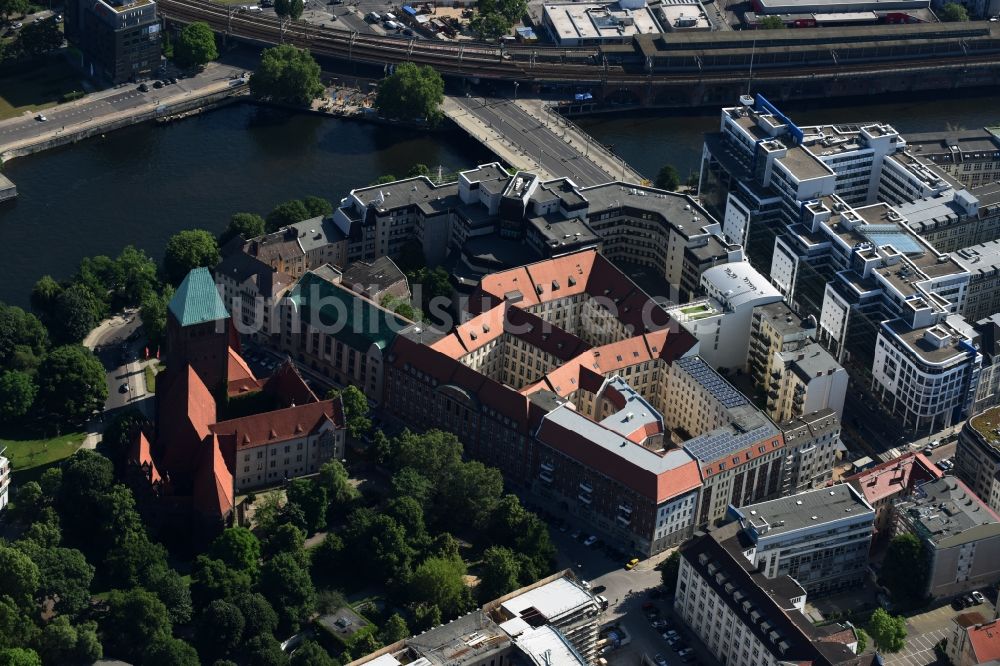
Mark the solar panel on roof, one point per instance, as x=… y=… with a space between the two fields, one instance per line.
x=717 y=444
x=710 y=380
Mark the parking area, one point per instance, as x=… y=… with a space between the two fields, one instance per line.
x=927 y=629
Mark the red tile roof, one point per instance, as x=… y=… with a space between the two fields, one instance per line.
x=894 y=477
x=240 y=376
x=985 y=641
x=280 y=425
x=141 y=454
x=186 y=411
x=288 y=387
x=213 y=484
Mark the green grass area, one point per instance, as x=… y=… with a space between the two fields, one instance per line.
x=28 y=454
x=150 y=372
x=37 y=87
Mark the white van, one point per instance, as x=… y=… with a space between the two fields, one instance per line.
x=388 y=16
x=392 y=25
x=374 y=17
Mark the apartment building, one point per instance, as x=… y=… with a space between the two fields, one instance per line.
x=955 y=218
x=982 y=262
x=251 y=290
x=301 y=247
x=988 y=390
x=973 y=640
x=811 y=443
x=553 y=621
x=820 y=538
x=960 y=533
x=805 y=380
x=337 y=332
x=377 y=280
x=747 y=619
x=884 y=483
x=776 y=328
x=977 y=456
x=282 y=444
x=970 y=156
x=4 y=480
x=733 y=291
x=738 y=449
x=118 y=40
x=926 y=377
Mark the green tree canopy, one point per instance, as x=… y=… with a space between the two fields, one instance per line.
x=171 y=588
x=311 y=498
x=71 y=384
x=287 y=74
x=17 y=393
x=138 y=276
x=154 y=315
x=287 y=213
x=239 y=549
x=381 y=543
x=135 y=620
x=258 y=615
x=12 y=8
x=23 y=339
x=195 y=46
x=220 y=628
x=490 y=26
x=289 y=9
x=393 y=630
x=668 y=178
x=418 y=169
x=169 y=651
x=212 y=579
x=118 y=436
x=906 y=569
x=355 y=410
x=101 y=274
x=317 y=206
x=286 y=584
x=39 y=37
x=77 y=311
x=187 y=250
x=249 y=225
x=311 y=653
x=44 y=295
x=411 y=92
x=669 y=569
x=888 y=632
x=64 y=576
x=19 y=576
x=264 y=650
x=383 y=179
x=952 y=12
x=16 y=656
x=772 y=23
x=499 y=573
x=285 y=538
x=441 y=581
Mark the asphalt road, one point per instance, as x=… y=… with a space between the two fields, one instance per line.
x=121 y=365
x=114 y=100
x=534 y=139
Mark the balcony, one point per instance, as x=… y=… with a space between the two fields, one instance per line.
x=625 y=508
x=584 y=499
x=772 y=394
x=548 y=467
x=545 y=476
x=775 y=374
x=586 y=487
x=623 y=521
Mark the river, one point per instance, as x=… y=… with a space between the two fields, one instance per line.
x=143 y=184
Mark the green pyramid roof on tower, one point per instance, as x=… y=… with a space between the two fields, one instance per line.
x=197 y=300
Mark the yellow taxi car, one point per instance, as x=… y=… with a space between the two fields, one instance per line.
x=631 y=564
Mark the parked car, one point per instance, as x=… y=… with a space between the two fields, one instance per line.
x=660 y=660
x=589 y=541
x=978 y=597
x=958 y=603
x=143 y=87
x=927 y=451
x=123 y=388
x=41 y=118
x=660 y=624
x=685 y=652
x=631 y=564
x=679 y=645
x=969 y=600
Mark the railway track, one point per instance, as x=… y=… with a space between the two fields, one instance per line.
x=524 y=63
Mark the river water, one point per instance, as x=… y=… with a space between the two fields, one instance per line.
x=144 y=184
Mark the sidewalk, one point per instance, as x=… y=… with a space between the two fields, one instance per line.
x=492 y=139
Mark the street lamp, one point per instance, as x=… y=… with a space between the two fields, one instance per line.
x=516 y=84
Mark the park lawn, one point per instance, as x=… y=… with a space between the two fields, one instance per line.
x=26 y=454
x=37 y=88
x=150 y=372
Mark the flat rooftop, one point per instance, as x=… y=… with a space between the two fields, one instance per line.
x=596 y=21
x=947 y=513
x=552 y=600
x=803 y=164
x=808 y=509
x=914 y=339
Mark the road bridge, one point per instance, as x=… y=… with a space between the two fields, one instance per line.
x=530 y=137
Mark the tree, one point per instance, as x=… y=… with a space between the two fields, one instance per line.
x=410 y=515
x=287 y=213
x=28 y=503
x=282 y=8
x=64 y=577
x=87 y=477
x=381 y=542
x=491 y=26
x=212 y=579
x=286 y=584
x=100 y=274
x=138 y=276
x=393 y=630
x=265 y=651
x=154 y=315
x=952 y=12
x=220 y=628
x=888 y=632
x=258 y=615
x=355 y=410
x=499 y=575
x=862 y=637
x=71 y=384
x=470 y=492
x=248 y=225
x=311 y=653
x=195 y=46
x=39 y=37
x=135 y=619
x=772 y=23
x=668 y=179
x=17 y=393
x=287 y=74
x=77 y=311
x=383 y=179
x=309 y=496
x=418 y=169
x=19 y=657
x=119 y=434
x=16 y=626
x=11 y=8
x=62 y=643
x=173 y=591
x=169 y=651
x=238 y=549
x=425 y=616
x=295 y=9
x=23 y=339
x=188 y=250
x=317 y=206
x=441 y=582
x=19 y=576
x=411 y=92
x=669 y=569
x=44 y=295
x=905 y=571
x=286 y=538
